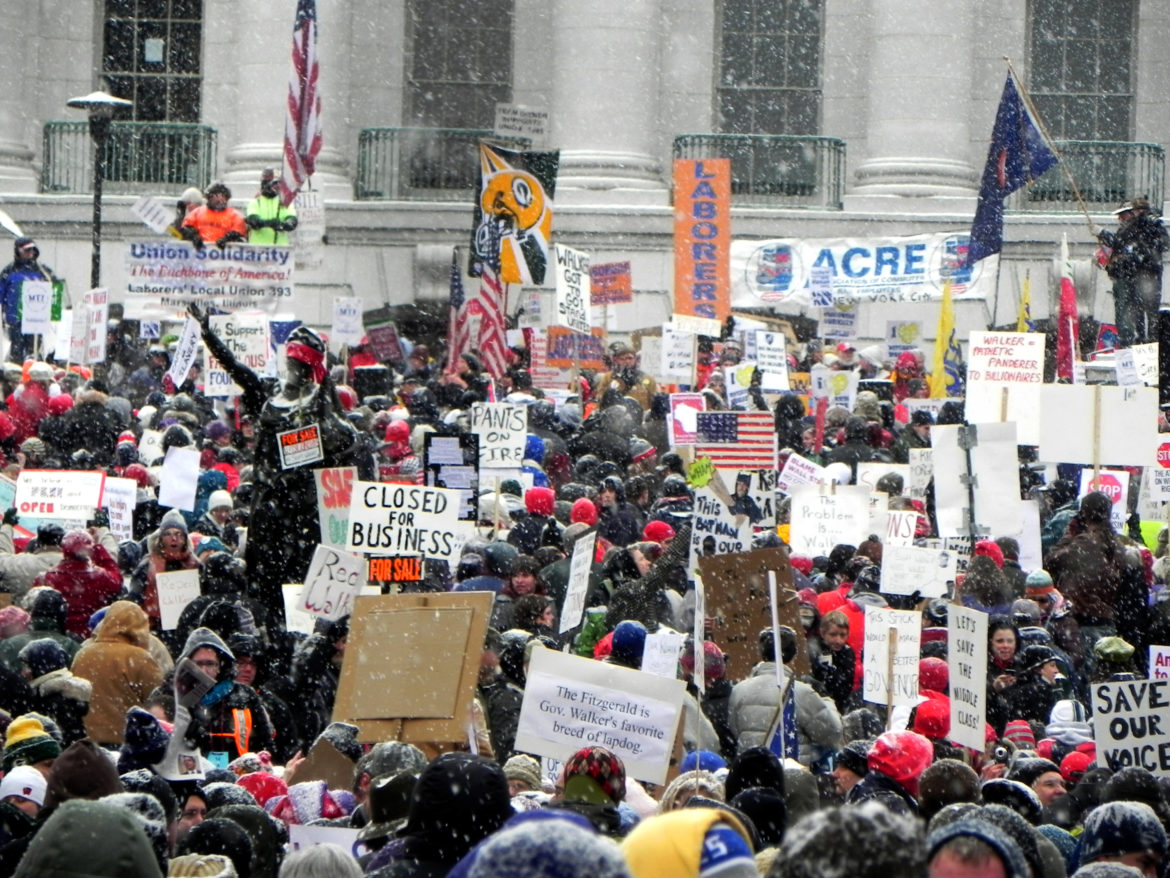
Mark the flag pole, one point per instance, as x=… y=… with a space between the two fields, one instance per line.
x=1027 y=99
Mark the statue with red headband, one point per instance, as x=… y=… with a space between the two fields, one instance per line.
x=299 y=428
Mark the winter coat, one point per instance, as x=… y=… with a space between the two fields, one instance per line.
x=753 y=706
x=716 y=704
x=1088 y=568
x=10 y=647
x=94 y=839
x=17 y=572
x=503 y=714
x=698 y=733
x=120 y=669
x=87 y=586
x=834 y=672
x=90 y=425
x=65 y=698
x=621 y=524
x=144 y=581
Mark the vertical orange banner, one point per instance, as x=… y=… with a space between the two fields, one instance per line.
x=702 y=238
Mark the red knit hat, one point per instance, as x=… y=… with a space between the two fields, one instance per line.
x=714 y=662
x=539 y=501
x=988 y=549
x=583 y=511
x=933 y=674
x=932 y=718
x=801 y=563
x=658 y=532
x=603 y=767
x=1074 y=765
x=1019 y=733
x=901 y=756
x=263 y=786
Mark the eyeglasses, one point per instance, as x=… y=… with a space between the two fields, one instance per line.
x=207 y=663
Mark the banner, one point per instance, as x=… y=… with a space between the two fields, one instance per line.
x=246 y=336
x=405 y=520
x=502 y=428
x=822 y=517
x=905 y=626
x=883 y=270
x=572 y=284
x=702 y=235
x=68 y=494
x=610 y=283
x=334 y=487
x=163 y=277
x=1004 y=374
x=1130 y=727
x=967 y=666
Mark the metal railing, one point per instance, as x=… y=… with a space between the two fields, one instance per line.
x=775 y=170
x=421 y=164
x=1106 y=172
x=140 y=157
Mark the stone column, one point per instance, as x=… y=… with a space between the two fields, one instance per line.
x=920 y=73
x=605 y=99
x=18 y=47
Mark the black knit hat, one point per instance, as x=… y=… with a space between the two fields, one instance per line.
x=853 y=756
x=144 y=743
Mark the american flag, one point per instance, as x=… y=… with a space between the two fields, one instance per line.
x=302 y=128
x=477 y=324
x=737 y=440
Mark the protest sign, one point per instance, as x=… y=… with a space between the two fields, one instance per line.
x=799 y=471
x=889 y=270
x=414 y=692
x=163 y=277
x=296 y=619
x=502 y=429
x=1004 y=373
x=187 y=349
x=1126 y=368
x=1096 y=424
x=678 y=356
x=519 y=121
x=572 y=702
x=387 y=519
x=928 y=405
x=119 y=497
x=150 y=446
x=839 y=320
x=36 y=304
x=684 y=417
x=610 y=283
x=179 y=478
x=772 y=357
x=715 y=529
x=302 y=835
x=332 y=582
x=453 y=462
x=176 y=589
x=996 y=490
x=702 y=239
x=736 y=380
x=246 y=336
x=967 y=670
x=868 y=474
x=1130 y=725
x=902 y=336
x=67 y=494
x=154 y=213
x=901 y=525
x=660 y=655
x=1031 y=554
x=822 y=517
x=1159 y=663
x=1145 y=360
x=840 y=388
x=891 y=656
x=1114 y=484
x=347 y=321
x=579 y=568
x=334 y=486
x=907 y=569
x=738 y=607
x=572 y=289
x=300 y=446
x=88 y=340
x=921 y=472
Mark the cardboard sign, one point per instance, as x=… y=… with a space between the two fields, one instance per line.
x=176 y=589
x=1114 y=484
x=334 y=487
x=799 y=471
x=737 y=604
x=901 y=525
x=332 y=582
x=119 y=497
x=179 y=479
x=1004 y=373
x=967 y=665
x=879 y=685
x=387 y=519
x=300 y=446
x=716 y=530
x=189 y=345
x=573 y=281
x=502 y=429
x=921 y=472
x=1130 y=725
x=579 y=568
x=421 y=690
x=907 y=569
x=571 y=702
x=1095 y=424
x=822 y=517
x=36 y=304
x=67 y=494
x=246 y=336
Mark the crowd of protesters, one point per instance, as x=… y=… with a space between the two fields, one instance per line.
x=86 y=667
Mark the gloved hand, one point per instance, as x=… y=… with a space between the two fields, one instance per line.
x=10 y=516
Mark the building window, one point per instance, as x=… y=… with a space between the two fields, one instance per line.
x=770 y=66
x=1082 y=67
x=152 y=56
x=460 y=64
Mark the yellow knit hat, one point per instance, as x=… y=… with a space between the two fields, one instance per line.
x=670 y=845
x=27 y=743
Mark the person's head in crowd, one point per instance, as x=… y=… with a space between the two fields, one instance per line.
x=835 y=630
x=324 y=860
x=13 y=621
x=714 y=660
x=1125 y=832
x=968 y=848
x=1041 y=775
x=23 y=787
x=27 y=743
x=216 y=835
x=691 y=842
x=532 y=611
x=192 y=810
x=850 y=765
x=1002 y=641
x=860 y=841
x=901 y=756
x=524 y=578
x=946 y=782
x=92 y=839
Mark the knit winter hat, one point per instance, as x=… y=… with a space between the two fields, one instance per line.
x=1019 y=733
x=1118 y=828
x=43 y=656
x=932 y=718
x=933 y=674
x=24 y=781
x=676 y=844
x=13 y=620
x=524 y=769
x=82 y=771
x=1027 y=770
x=201 y=866
x=343 y=737
x=263 y=786
x=1015 y=796
x=701 y=760
x=658 y=531
x=224 y=837
x=531 y=849
x=998 y=840
x=1074 y=766
x=27 y=743
x=1039 y=582
x=219 y=499
x=901 y=756
x=304 y=803
x=539 y=501
x=989 y=549
x=854 y=756
x=583 y=512
x=151 y=816
x=145 y=741
x=629 y=642
x=602 y=767
x=714 y=661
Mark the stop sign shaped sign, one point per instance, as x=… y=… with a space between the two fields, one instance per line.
x=1108 y=485
x=1164 y=455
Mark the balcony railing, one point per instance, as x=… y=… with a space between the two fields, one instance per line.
x=1106 y=173
x=775 y=170
x=140 y=157
x=421 y=164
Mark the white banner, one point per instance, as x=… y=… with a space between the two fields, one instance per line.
x=576 y=593
x=36 y=304
x=333 y=580
x=822 y=518
x=50 y=493
x=883 y=270
x=246 y=336
x=907 y=568
x=1004 y=374
x=347 y=321
x=503 y=429
x=119 y=497
x=165 y=276
x=967 y=666
x=387 y=519
x=573 y=289
x=1130 y=725
x=176 y=589
x=907 y=632
x=190 y=343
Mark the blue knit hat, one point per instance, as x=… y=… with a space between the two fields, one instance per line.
x=1009 y=852
x=701 y=760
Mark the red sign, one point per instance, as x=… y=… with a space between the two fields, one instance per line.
x=1164 y=455
x=1107 y=485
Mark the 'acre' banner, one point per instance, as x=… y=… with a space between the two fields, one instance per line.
x=910 y=269
x=163 y=277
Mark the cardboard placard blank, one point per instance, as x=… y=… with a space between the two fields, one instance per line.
x=370 y=660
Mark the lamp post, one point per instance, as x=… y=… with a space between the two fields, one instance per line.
x=101 y=108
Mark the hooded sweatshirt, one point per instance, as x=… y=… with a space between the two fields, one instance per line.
x=231 y=717
x=64 y=847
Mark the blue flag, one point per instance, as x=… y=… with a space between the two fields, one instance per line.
x=782 y=738
x=1019 y=153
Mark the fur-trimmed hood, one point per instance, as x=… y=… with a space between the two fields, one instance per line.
x=62 y=682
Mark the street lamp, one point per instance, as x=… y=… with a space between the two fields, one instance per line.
x=101 y=108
